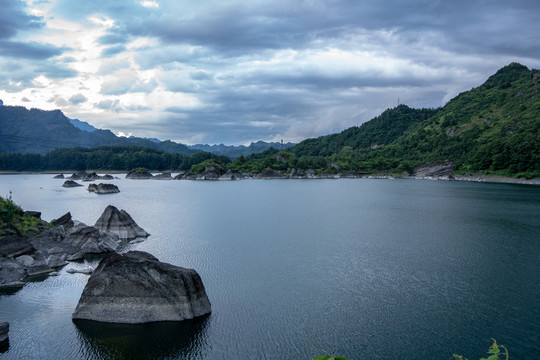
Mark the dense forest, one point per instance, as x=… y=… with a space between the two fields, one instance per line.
x=105 y=158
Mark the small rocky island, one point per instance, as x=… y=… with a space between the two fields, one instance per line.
x=135 y=288
x=103 y=188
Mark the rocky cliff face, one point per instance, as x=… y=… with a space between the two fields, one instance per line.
x=136 y=288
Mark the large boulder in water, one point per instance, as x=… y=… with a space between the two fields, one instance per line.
x=135 y=288
x=120 y=223
x=103 y=188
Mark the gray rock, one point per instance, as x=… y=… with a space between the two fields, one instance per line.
x=64 y=220
x=11 y=273
x=91 y=240
x=163 y=176
x=107 y=177
x=25 y=260
x=120 y=223
x=56 y=260
x=434 y=169
x=15 y=245
x=86 y=270
x=4 y=330
x=70 y=184
x=231 y=175
x=59 y=176
x=136 y=288
x=134 y=174
x=103 y=188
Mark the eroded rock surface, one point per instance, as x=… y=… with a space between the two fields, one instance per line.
x=103 y=188
x=136 y=288
x=119 y=222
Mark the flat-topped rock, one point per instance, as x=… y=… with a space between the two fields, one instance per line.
x=103 y=188
x=120 y=223
x=135 y=288
x=70 y=184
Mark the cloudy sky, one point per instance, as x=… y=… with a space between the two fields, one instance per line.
x=239 y=71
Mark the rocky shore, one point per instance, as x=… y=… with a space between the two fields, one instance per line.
x=63 y=240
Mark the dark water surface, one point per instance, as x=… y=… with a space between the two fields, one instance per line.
x=367 y=269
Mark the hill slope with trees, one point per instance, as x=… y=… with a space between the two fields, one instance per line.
x=494 y=128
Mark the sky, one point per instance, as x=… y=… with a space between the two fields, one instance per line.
x=233 y=71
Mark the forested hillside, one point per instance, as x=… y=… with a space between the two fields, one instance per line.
x=494 y=128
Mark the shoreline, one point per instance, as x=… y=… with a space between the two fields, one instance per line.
x=468 y=178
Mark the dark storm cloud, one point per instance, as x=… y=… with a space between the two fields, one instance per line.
x=13 y=18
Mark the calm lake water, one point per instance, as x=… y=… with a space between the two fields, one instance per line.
x=367 y=269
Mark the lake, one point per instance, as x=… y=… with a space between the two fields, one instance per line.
x=366 y=269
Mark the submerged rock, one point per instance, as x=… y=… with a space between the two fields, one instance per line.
x=119 y=222
x=4 y=330
x=103 y=188
x=70 y=184
x=59 y=176
x=136 y=288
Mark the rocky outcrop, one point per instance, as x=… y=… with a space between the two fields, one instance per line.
x=120 y=223
x=107 y=177
x=231 y=175
x=15 y=245
x=138 y=174
x=90 y=240
x=4 y=330
x=103 y=188
x=269 y=174
x=59 y=176
x=136 y=288
x=64 y=220
x=163 y=176
x=22 y=257
x=70 y=184
x=434 y=170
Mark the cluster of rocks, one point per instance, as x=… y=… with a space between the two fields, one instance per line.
x=85 y=176
x=23 y=256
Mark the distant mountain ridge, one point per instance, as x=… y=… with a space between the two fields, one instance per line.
x=40 y=131
x=234 y=152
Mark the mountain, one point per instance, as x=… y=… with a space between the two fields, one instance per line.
x=494 y=128
x=84 y=126
x=234 y=152
x=40 y=131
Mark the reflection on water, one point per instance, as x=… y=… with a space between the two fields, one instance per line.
x=4 y=346
x=160 y=340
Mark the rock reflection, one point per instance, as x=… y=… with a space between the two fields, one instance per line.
x=160 y=340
